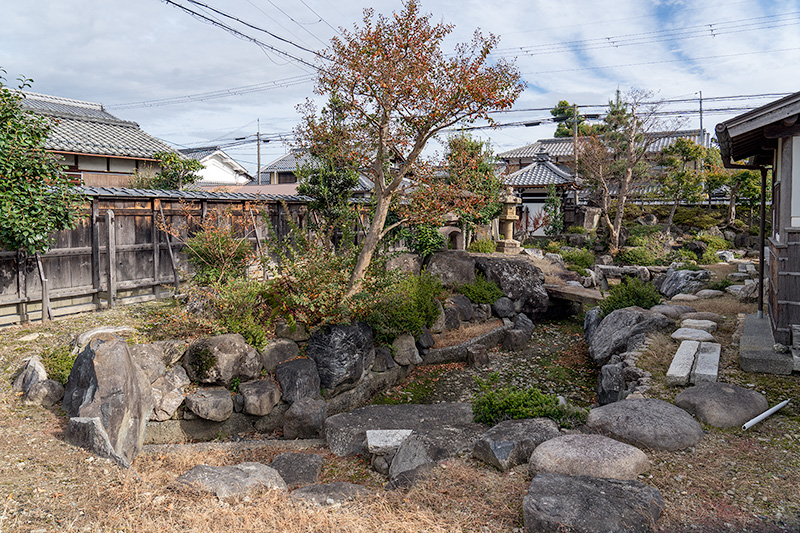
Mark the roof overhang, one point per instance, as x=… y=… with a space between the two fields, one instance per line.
x=754 y=135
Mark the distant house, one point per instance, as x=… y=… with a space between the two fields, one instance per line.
x=96 y=147
x=219 y=170
x=769 y=138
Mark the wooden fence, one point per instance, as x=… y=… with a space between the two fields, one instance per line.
x=121 y=253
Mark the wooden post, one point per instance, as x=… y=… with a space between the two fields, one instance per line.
x=22 y=287
x=155 y=236
x=47 y=313
x=111 y=251
x=95 y=221
x=169 y=247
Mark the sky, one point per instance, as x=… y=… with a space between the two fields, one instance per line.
x=151 y=62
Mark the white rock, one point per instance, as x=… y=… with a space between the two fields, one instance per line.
x=706 y=325
x=689 y=334
x=385 y=441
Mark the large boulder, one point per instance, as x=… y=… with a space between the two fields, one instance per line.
x=260 y=396
x=346 y=432
x=105 y=384
x=651 y=423
x=168 y=393
x=684 y=281
x=277 y=351
x=214 y=403
x=305 y=419
x=511 y=442
x=429 y=445
x=588 y=455
x=32 y=372
x=298 y=469
x=624 y=330
x=591 y=322
x=722 y=405
x=45 y=393
x=339 y=353
x=232 y=481
x=298 y=379
x=150 y=358
x=222 y=359
x=519 y=280
x=590 y=505
x=405 y=350
x=453 y=267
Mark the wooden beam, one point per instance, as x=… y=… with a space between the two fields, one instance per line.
x=154 y=237
x=47 y=312
x=95 y=221
x=22 y=287
x=111 y=248
x=175 y=273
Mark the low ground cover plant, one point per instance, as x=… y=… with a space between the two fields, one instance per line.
x=482 y=246
x=630 y=292
x=481 y=291
x=578 y=257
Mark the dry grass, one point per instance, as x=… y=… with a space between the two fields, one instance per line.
x=465 y=333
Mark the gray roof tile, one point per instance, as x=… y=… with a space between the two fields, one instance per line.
x=540 y=173
x=186 y=195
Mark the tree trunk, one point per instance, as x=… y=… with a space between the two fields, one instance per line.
x=369 y=244
x=732 y=206
x=671 y=216
x=618 y=217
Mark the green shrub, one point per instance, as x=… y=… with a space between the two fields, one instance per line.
x=482 y=246
x=578 y=257
x=720 y=285
x=481 y=291
x=714 y=245
x=639 y=230
x=58 y=362
x=580 y=230
x=217 y=255
x=426 y=240
x=241 y=306
x=406 y=308
x=697 y=217
x=493 y=404
x=630 y=292
x=638 y=255
x=553 y=247
x=578 y=270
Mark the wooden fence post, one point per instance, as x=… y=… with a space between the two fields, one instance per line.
x=111 y=249
x=47 y=312
x=169 y=249
x=95 y=228
x=22 y=288
x=155 y=236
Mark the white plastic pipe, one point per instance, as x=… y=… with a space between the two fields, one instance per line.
x=765 y=414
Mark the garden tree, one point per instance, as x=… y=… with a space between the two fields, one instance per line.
x=396 y=89
x=632 y=127
x=745 y=185
x=566 y=114
x=682 y=180
x=176 y=171
x=37 y=198
x=553 y=212
x=715 y=175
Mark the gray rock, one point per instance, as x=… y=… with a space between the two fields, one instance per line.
x=297 y=333
x=405 y=350
x=515 y=340
x=150 y=358
x=738 y=276
x=703 y=315
x=591 y=322
x=452 y=318
x=168 y=393
x=32 y=372
x=749 y=293
x=45 y=393
x=298 y=379
x=222 y=359
x=305 y=419
x=238 y=403
x=590 y=505
x=588 y=455
x=705 y=325
x=88 y=432
x=346 y=432
x=339 y=352
x=106 y=384
x=331 y=493
x=619 y=330
x=214 y=403
x=557 y=259
x=610 y=384
x=726 y=255
x=464 y=306
x=298 y=469
x=407 y=263
x=687 y=298
x=521 y=321
x=648 y=219
x=171 y=351
x=477 y=356
x=232 y=481
x=684 y=281
x=651 y=423
x=260 y=396
x=383 y=359
x=277 y=351
x=504 y=307
x=432 y=444
x=386 y=441
x=722 y=405
x=709 y=293
x=453 y=267
x=425 y=341
x=674 y=312
x=438 y=325
x=511 y=442
x=689 y=334
x=519 y=280
x=82 y=340
x=697 y=247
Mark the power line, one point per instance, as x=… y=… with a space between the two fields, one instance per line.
x=302 y=27
x=320 y=17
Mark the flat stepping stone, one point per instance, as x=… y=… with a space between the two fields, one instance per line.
x=588 y=455
x=680 y=370
x=232 y=481
x=346 y=432
x=709 y=293
x=386 y=441
x=674 y=312
x=511 y=442
x=738 y=276
x=331 y=493
x=684 y=298
x=722 y=405
x=590 y=505
x=704 y=315
x=298 y=469
x=706 y=325
x=648 y=423
x=706 y=366
x=690 y=334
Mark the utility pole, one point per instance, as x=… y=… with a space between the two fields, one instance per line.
x=702 y=132
x=575 y=149
x=258 y=144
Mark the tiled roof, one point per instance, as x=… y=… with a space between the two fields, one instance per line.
x=540 y=173
x=86 y=128
x=198 y=153
x=289 y=162
x=563 y=147
x=186 y=195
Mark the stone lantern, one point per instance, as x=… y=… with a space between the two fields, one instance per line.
x=508 y=216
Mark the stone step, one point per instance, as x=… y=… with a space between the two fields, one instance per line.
x=680 y=370
x=706 y=367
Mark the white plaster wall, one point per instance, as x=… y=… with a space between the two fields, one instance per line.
x=88 y=162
